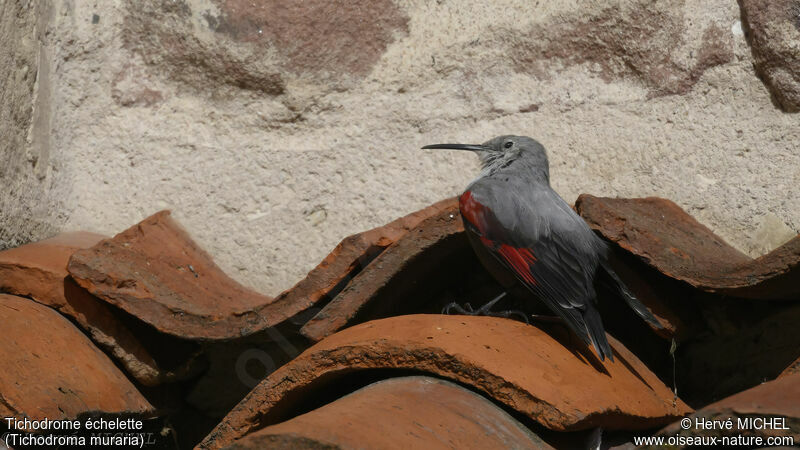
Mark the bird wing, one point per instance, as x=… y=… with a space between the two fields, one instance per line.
x=547 y=252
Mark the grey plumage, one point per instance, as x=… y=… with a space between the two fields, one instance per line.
x=518 y=224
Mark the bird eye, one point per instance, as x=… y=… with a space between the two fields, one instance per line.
x=508 y=144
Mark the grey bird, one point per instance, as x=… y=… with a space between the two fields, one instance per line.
x=525 y=234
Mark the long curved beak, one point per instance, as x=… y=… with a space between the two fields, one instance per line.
x=470 y=147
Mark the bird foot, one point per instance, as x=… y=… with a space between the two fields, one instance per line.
x=485 y=310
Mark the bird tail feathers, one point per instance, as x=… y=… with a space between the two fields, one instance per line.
x=594 y=328
x=634 y=303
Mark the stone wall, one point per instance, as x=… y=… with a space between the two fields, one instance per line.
x=273 y=131
x=30 y=207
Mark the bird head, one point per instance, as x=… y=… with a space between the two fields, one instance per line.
x=503 y=151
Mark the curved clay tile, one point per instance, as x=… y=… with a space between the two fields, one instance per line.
x=157 y=273
x=51 y=370
x=413 y=255
x=407 y=412
x=793 y=368
x=39 y=271
x=667 y=238
x=521 y=366
x=333 y=277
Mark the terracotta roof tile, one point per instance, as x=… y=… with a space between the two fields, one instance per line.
x=155 y=272
x=560 y=386
x=667 y=238
x=407 y=412
x=51 y=370
x=412 y=256
x=345 y=264
x=39 y=271
x=792 y=369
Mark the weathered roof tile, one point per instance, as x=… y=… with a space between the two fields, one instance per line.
x=406 y=412
x=39 y=271
x=670 y=240
x=560 y=386
x=412 y=256
x=158 y=274
x=52 y=371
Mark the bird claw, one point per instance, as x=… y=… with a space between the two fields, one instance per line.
x=484 y=310
x=509 y=314
x=450 y=307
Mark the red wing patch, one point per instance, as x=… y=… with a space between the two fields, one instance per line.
x=520 y=260
x=472 y=210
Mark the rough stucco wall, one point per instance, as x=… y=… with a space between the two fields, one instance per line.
x=28 y=208
x=274 y=132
